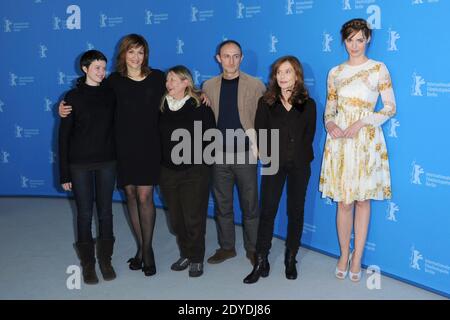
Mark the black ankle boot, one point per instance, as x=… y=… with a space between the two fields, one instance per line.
x=261 y=269
x=289 y=262
x=86 y=253
x=104 y=254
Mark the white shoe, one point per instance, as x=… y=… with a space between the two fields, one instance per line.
x=342 y=274
x=355 y=277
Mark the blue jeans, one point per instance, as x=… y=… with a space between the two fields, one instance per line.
x=91 y=185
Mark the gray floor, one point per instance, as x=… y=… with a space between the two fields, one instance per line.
x=36 y=237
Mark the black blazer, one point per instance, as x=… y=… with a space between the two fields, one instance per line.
x=296 y=127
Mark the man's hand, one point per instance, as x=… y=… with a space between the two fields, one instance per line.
x=205 y=99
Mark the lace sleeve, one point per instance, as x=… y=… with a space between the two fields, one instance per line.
x=331 y=106
x=387 y=96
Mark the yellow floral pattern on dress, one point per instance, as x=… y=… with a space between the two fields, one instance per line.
x=356 y=102
x=384 y=86
x=357 y=169
x=378 y=147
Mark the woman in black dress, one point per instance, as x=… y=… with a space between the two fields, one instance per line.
x=139 y=90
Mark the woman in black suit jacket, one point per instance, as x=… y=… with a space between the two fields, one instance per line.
x=286 y=107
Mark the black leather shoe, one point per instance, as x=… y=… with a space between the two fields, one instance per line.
x=135 y=264
x=261 y=269
x=149 y=270
x=289 y=262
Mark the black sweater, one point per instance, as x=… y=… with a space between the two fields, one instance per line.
x=86 y=135
x=183 y=119
x=296 y=129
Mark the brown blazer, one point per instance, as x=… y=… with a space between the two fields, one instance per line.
x=250 y=89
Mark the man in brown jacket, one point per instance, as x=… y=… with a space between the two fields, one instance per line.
x=234 y=99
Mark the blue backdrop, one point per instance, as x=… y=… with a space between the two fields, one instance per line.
x=409 y=235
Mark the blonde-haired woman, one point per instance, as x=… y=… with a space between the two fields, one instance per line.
x=185 y=182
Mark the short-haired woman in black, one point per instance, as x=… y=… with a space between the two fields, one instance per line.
x=87 y=163
x=286 y=107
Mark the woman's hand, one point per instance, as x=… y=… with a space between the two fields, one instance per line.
x=334 y=131
x=205 y=99
x=353 y=130
x=67 y=186
x=63 y=109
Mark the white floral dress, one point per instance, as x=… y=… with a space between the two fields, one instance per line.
x=357 y=169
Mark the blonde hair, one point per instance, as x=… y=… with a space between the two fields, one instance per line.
x=184 y=74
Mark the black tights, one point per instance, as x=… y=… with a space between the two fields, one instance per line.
x=142 y=215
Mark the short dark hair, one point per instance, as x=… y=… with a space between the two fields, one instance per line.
x=354 y=26
x=90 y=56
x=224 y=43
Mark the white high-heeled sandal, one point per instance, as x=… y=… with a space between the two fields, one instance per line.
x=342 y=274
x=355 y=277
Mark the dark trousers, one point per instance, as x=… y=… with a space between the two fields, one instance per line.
x=271 y=190
x=97 y=185
x=186 y=194
x=225 y=176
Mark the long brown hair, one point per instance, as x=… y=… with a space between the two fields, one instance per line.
x=132 y=41
x=299 y=92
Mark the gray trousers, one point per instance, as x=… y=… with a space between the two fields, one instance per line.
x=244 y=176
